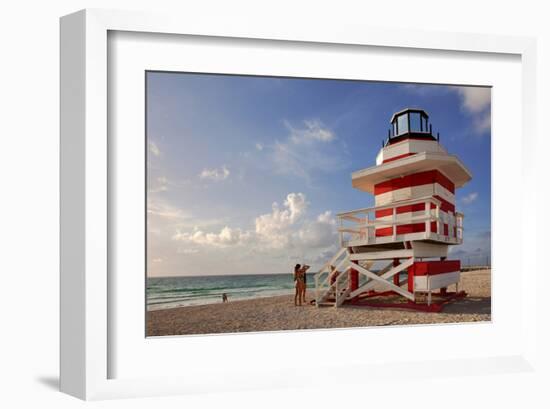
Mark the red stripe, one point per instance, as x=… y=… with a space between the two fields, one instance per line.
x=396 y=140
x=399 y=157
x=423 y=268
x=444 y=181
x=417 y=207
x=405 y=229
x=445 y=205
x=416 y=179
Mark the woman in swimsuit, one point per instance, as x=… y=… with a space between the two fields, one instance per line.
x=304 y=269
x=299 y=279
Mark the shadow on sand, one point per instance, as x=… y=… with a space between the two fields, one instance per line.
x=469 y=305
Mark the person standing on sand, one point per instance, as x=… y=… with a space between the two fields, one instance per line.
x=224 y=298
x=299 y=280
x=304 y=271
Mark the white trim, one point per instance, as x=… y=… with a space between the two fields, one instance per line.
x=450 y=165
x=408 y=146
x=414 y=192
x=403 y=218
x=434 y=282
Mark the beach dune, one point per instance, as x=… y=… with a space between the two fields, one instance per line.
x=279 y=313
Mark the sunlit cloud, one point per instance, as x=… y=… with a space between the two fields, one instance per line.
x=286 y=227
x=215 y=174
x=307 y=149
x=469 y=199
x=475 y=99
x=154 y=149
x=313 y=130
x=477 y=102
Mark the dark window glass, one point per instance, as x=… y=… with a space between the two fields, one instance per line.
x=402 y=125
x=415 y=122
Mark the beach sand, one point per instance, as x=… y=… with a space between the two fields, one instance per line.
x=279 y=313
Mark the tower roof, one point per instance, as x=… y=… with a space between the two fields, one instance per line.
x=409 y=123
x=415 y=110
x=449 y=165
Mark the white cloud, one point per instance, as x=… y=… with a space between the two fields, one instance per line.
x=320 y=233
x=286 y=228
x=215 y=174
x=288 y=161
x=307 y=150
x=188 y=251
x=313 y=131
x=159 y=184
x=273 y=229
x=475 y=99
x=477 y=102
x=163 y=209
x=154 y=149
x=482 y=123
x=271 y=241
x=226 y=237
x=259 y=147
x=472 y=197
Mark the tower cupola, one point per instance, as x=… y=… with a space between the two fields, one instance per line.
x=409 y=123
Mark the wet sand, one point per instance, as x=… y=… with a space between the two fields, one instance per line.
x=279 y=313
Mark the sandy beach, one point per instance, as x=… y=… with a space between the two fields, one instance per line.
x=279 y=313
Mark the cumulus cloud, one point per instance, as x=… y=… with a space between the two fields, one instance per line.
x=472 y=197
x=286 y=228
x=226 y=237
x=475 y=99
x=477 y=102
x=259 y=147
x=154 y=149
x=215 y=174
x=273 y=228
x=319 y=233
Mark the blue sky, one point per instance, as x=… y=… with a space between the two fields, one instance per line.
x=246 y=174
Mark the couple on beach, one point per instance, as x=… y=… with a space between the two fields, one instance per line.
x=300 y=280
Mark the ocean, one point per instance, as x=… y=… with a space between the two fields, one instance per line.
x=170 y=292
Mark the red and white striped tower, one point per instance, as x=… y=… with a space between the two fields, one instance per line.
x=412 y=225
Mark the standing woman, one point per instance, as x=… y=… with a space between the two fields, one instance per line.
x=299 y=280
x=304 y=272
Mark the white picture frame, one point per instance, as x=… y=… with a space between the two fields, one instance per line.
x=85 y=225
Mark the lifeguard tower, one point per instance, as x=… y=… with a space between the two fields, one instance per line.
x=409 y=230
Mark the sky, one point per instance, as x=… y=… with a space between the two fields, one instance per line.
x=246 y=174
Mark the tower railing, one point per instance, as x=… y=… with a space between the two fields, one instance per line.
x=360 y=226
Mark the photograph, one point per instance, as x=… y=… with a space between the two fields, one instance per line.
x=282 y=203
